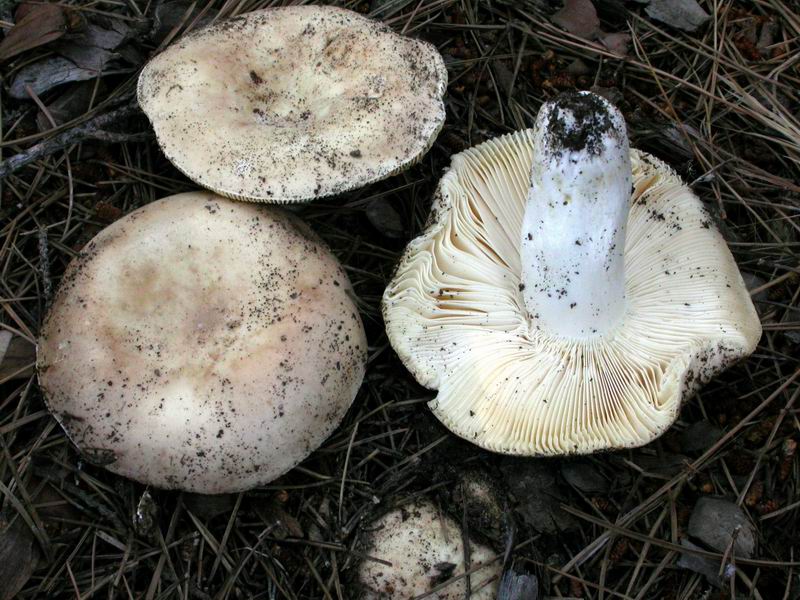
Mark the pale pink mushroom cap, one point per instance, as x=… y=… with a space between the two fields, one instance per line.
x=425 y=549
x=202 y=344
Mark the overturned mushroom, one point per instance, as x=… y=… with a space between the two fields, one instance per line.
x=555 y=307
x=294 y=103
x=202 y=344
x=425 y=552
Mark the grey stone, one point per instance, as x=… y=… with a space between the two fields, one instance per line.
x=686 y=15
x=699 y=564
x=715 y=521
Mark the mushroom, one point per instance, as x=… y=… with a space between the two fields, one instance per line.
x=425 y=550
x=480 y=497
x=568 y=293
x=202 y=344
x=294 y=103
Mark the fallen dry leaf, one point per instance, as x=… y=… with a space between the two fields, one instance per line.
x=17 y=356
x=46 y=74
x=37 y=24
x=19 y=555
x=616 y=42
x=85 y=55
x=75 y=101
x=94 y=47
x=578 y=17
x=281 y=523
x=518 y=586
x=106 y=212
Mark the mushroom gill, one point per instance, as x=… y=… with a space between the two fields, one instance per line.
x=512 y=382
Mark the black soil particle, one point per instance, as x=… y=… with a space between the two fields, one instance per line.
x=592 y=121
x=254 y=77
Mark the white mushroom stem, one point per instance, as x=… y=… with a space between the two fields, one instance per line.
x=573 y=231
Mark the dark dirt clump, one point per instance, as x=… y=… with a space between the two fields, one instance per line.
x=591 y=123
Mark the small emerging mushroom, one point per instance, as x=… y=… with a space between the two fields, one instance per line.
x=569 y=292
x=426 y=552
x=202 y=344
x=294 y=103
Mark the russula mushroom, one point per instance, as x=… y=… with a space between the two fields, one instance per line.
x=568 y=292
x=202 y=344
x=294 y=103
x=425 y=550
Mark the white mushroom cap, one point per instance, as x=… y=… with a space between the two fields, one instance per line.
x=202 y=344
x=425 y=549
x=294 y=103
x=458 y=317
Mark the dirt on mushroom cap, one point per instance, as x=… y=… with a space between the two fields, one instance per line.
x=202 y=344
x=294 y=103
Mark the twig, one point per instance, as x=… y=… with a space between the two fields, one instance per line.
x=91 y=130
x=44 y=268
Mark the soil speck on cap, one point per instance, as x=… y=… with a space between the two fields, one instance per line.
x=255 y=78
